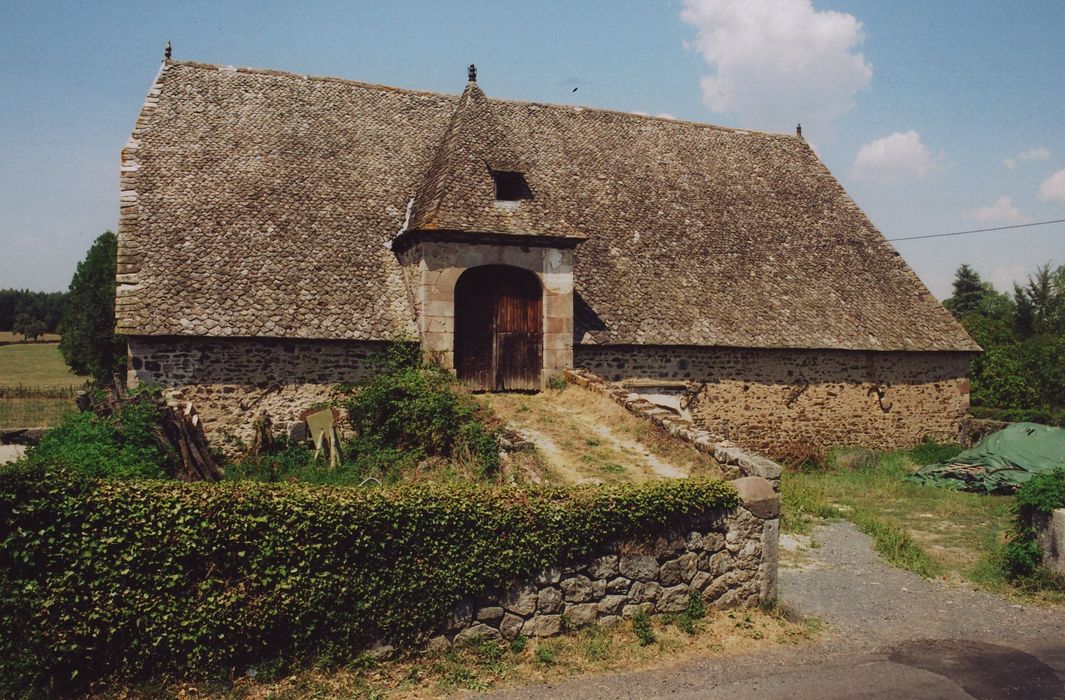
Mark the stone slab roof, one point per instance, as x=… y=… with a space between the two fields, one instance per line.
x=261 y=203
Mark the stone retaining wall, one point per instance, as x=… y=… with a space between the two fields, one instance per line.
x=782 y=401
x=734 y=461
x=727 y=557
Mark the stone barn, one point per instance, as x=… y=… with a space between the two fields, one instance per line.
x=278 y=230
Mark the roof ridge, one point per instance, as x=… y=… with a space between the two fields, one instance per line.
x=452 y=95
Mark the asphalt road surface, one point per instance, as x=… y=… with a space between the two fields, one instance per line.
x=890 y=634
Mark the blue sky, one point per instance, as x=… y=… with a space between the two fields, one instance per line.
x=936 y=116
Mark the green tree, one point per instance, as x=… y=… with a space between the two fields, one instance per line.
x=89 y=344
x=28 y=327
x=969 y=292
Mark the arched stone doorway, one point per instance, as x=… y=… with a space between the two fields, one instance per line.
x=499 y=329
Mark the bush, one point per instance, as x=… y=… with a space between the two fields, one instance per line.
x=121 y=446
x=419 y=410
x=119 y=580
x=1039 y=496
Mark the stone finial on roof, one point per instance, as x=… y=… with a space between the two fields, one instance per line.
x=471 y=73
x=168 y=51
x=798 y=130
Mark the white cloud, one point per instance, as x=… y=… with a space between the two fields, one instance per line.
x=897 y=155
x=665 y=115
x=1003 y=210
x=778 y=62
x=1053 y=188
x=1030 y=154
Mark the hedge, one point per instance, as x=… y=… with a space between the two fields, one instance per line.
x=107 y=579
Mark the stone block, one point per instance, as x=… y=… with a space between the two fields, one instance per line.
x=1050 y=535
x=577 y=589
x=581 y=614
x=758 y=496
x=667 y=546
x=520 y=600
x=645 y=591
x=608 y=621
x=479 y=632
x=437 y=645
x=510 y=626
x=630 y=611
x=542 y=626
x=641 y=567
x=619 y=584
x=673 y=599
x=713 y=542
x=549 y=600
x=489 y=614
x=679 y=570
x=612 y=604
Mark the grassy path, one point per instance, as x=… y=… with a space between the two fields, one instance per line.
x=935 y=532
x=586 y=438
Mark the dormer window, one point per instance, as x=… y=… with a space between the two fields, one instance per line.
x=510 y=186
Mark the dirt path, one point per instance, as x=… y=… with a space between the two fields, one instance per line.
x=890 y=634
x=586 y=438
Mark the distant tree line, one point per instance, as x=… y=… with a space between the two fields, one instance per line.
x=1022 y=368
x=31 y=314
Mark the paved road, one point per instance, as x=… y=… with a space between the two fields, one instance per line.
x=892 y=635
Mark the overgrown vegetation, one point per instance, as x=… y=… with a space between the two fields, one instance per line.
x=930 y=531
x=121 y=446
x=1037 y=498
x=109 y=579
x=1022 y=368
x=409 y=420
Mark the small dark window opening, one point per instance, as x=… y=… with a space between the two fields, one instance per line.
x=510 y=186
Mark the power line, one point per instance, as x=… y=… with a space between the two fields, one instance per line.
x=978 y=230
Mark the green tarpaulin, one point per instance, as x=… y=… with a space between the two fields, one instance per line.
x=1002 y=461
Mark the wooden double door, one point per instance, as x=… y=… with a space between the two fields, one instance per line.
x=499 y=329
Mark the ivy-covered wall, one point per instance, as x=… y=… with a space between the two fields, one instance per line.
x=110 y=580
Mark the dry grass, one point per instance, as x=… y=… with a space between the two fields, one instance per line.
x=9 y=337
x=36 y=368
x=491 y=666
x=36 y=365
x=584 y=437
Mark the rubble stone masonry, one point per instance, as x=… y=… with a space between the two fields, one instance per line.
x=230 y=381
x=772 y=401
x=728 y=557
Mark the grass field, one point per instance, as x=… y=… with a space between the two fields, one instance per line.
x=9 y=337
x=935 y=532
x=36 y=387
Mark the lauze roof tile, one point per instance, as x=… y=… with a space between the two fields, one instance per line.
x=260 y=203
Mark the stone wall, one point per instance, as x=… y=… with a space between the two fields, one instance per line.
x=772 y=401
x=733 y=461
x=728 y=557
x=231 y=381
